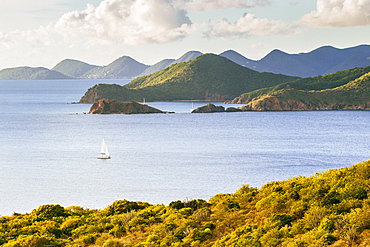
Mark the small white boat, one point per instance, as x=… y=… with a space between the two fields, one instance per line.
x=104 y=154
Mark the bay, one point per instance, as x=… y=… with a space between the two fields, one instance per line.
x=49 y=148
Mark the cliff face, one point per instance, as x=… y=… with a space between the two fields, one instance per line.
x=105 y=106
x=90 y=96
x=271 y=103
x=242 y=100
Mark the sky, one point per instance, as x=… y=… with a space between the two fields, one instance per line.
x=41 y=33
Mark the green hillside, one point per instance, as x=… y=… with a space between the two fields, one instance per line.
x=351 y=96
x=328 y=209
x=311 y=83
x=354 y=92
x=207 y=77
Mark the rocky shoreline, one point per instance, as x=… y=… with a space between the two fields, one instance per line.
x=105 y=106
x=272 y=103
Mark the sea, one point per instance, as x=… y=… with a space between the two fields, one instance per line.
x=49 y=148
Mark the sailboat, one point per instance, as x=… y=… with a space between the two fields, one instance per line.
x=104 y=151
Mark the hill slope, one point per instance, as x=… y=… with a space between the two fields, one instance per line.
x=321 y=61
x=238 y=58
x=208 y=77
x=328 y=209
x=167 y=62
x=310 y=83
x=121 y=68
x=351 y=96
x=73 y=68
x=28 y=73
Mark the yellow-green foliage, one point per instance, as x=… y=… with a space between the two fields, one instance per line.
x=328 y=209
x=350 y=87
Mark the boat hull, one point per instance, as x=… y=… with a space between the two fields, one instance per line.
x=104 y=157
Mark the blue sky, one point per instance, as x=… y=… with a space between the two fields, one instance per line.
x=42 y=33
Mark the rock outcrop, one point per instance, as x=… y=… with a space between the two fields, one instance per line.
x=209 y=108
x=271 y=103
x=233 y=109
x=105 y=106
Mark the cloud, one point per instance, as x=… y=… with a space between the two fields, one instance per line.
x=203 y=5
x=42 y=36
x=129 y=22
x=248 y=25
x=338 y=13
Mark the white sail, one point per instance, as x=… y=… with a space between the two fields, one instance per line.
x=104 y=154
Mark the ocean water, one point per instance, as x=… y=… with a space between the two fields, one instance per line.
x=49 y=148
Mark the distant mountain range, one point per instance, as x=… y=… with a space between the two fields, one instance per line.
x=321 y=61
x=28 y=73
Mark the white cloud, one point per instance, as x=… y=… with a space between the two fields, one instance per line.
x=129 y=22
x=203 y=5
x=249 y=25
x=42 y=36
x=339 y=13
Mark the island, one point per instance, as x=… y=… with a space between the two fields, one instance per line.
x=210 y=108
x=214 y=78
x=106 y=106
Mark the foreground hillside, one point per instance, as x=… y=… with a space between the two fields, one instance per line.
x=207 y=77
x=329 y=209
x=353 y=95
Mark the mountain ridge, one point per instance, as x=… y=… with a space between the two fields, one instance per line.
x=122 y=68
x=31 y=73
x=207 y=77
x=73 y=68
x=190 y=55
x=320 y=61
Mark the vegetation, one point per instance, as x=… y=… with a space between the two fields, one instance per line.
x=351 y=96
x=207 y=77
x=328 y=209
x=311 y=83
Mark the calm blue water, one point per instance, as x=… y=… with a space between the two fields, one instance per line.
x=49 y=148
